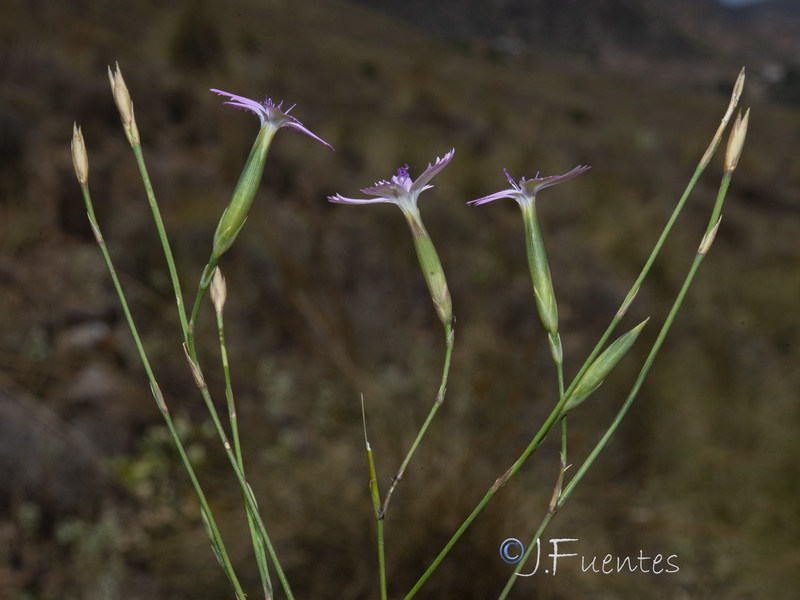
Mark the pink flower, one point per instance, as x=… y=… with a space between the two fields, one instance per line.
x=404 y=191
x=400 y=189
x=525 y=191
x=271 y=114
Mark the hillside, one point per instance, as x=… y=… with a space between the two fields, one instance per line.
x=326 y=302
x=688 y=43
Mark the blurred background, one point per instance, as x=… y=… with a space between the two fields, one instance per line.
x=326 y=302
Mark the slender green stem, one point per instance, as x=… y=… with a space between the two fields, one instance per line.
x=449 y=340
x=530 y=548
x=701 y=167
x=534 y=543
x=556 y=413
x=537 y=440
x=249 y=498
x=188 y=333
x=214 y=535
x=381 y=549
x=205 y=281
x=162 y=234
x=258 y=545
x=698 y=259
x=642 y=275
x=564 y=495
x=560 y=370
x=637 y=385
x=464 y=526
x=376 y=505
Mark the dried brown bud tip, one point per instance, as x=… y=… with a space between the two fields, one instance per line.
x=736 y=141
x=122 y=98
x=80 y=159
x=219 y=291
x=708 y=239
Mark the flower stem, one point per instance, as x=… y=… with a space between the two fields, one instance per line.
x=551 y=512
x=213 y=532
x=701 y=167
x=500 y=482
x=205 y=281
x=449 y=340
x=564 y=495
x=698 y=259
x=162 y=234
x=249 y=498
x=560 y=374
x=556 y=412
x=258 y=544
x=376 y=505
x=530 y=548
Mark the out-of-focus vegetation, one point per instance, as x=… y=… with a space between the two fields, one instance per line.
x=326 y=302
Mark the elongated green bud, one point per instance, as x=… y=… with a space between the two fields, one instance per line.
x=540 y=271
x=235 y=214
x=555 y=347
x=602 y=366
x=431 y=268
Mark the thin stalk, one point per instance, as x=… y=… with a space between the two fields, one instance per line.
x=551 y=512
x=560 y=372
x=376 y=506
x=701 y=167
x=162 y=234
x=258 y=545
x=562 y=497
x=249 y=498
x=537 y=440
x=642 y=275
x=698 y=259
x=214 y=535
x=537 y=536
x=205 y=281
x=556 y=413
x=250 y=501
x=449 y=340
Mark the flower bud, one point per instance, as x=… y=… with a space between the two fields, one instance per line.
x=626 y=305
x=736 y=141
x=735 y=95
x=556 y=349
x=708 y=239
x=122 y=98
x=431 y=268
x=199 y=380
x=219 y=291
x=602 y=366
x=540 y=271
x=235 y=214
x=80 y=160
x=737 y=92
